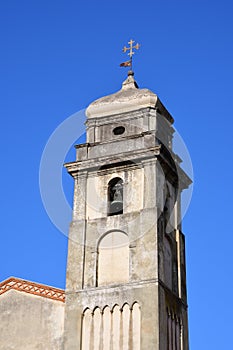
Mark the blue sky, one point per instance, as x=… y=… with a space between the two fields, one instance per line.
x=56 y=58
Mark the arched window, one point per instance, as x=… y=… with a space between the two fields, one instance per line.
x=115 y=196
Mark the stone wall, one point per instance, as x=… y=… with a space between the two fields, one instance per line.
x=30 y=322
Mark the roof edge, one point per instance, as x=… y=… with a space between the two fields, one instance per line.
x=20 y=285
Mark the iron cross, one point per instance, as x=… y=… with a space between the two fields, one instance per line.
x=130 y=48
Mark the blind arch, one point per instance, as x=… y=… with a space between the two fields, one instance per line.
x=113 y=258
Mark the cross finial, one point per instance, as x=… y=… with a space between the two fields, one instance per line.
x=130 y=48
x=130 y=53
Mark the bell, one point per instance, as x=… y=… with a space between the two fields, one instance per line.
x=116 y=207
x=116 y=199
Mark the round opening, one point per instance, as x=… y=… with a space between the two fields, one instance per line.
x=119 y=130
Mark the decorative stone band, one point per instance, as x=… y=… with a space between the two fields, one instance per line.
x=32 y=288
x=112 y=328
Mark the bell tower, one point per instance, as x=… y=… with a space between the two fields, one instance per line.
x=126 y=283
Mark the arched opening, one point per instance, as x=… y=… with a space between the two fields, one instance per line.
x=174 y=331
x=116 y=327
x=97 y=320
x=113 y=259
x=106 y=328
x=115 y=196
x=126 y=331
x=136 y=326
x=86 y=329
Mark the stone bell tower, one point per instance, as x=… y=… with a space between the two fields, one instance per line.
x=126 y=283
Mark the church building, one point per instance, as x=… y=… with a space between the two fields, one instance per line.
x=126 y=272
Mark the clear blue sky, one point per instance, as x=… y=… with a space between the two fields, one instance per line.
x=57 y=57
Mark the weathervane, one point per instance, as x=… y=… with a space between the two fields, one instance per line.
x=130 y=53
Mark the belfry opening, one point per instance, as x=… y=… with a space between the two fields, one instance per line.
x=115 y=196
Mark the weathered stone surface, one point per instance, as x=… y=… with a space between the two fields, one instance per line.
x=141 y=156
x=30 y=322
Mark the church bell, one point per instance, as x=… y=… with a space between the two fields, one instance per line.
x=116 y=207
x=116 y=199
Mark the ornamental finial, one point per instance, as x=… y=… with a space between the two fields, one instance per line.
x=130 y=53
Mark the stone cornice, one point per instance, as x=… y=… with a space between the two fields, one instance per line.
x=129 y=286
x=97 y=163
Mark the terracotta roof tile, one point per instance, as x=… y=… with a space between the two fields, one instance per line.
x=32 y=288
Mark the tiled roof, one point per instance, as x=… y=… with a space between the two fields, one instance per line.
x=32 y=288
